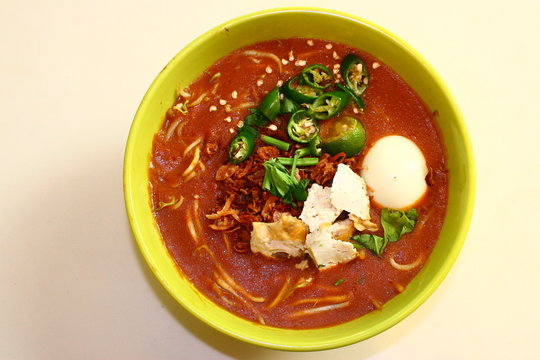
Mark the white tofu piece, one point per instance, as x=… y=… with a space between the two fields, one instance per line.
x=326 y=251
x=318 y=209
x=349 y=192
x=286 y=236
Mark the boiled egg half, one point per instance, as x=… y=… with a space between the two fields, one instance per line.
x=394 y=170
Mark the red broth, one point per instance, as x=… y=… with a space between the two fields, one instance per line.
x=392 y=107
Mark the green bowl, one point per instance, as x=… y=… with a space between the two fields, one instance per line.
x=310 y=23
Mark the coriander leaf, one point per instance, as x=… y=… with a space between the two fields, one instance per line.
x=371 y=242
x=397 y=223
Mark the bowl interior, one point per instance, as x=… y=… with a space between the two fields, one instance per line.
x=284 y=23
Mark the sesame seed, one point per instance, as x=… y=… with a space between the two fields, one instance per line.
x=268 y=69
x=222 y=101
x=279 y=83
x=335 y=55
x=212 y=108
x=228 y=119
x=328 y=46
x=272 y=127
x=196 y=196
x=376 y=65
x=291 y=56
x=281 y=96
x=355 y=110
x=234 y=94
x=337 y=66
x=300 y=63
x=336 y=71
x=310 y=42
x=365 y=81
x=284 y=61
x=228 y=108
x=259 y=82
x=240 y=123
x=231 y=130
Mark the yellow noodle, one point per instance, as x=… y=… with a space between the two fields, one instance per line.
x=281 y=294
x=226 y=286
x=198 y=100
x=376 y=303
x=320 y=309
x=406 y=267
x=227 y=242
x=264 y=54
x=191 y=228
x=171 y=129
x=325 y=299
x=192 y=145
x=193 y=163
x=178 y=203
x=190 y=177
x=244 y=106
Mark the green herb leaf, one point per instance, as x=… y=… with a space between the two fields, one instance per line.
x=371 y=242
x=397 y=223
x=339 y=282
x=281 y=183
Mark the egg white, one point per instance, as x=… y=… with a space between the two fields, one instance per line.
x=394 y=170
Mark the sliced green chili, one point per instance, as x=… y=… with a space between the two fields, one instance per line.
x=242 y=145
x=329 y=104
x=302 y=127
x=271 y=105
x=357 y=99
x=315 y=146
x=309 y=161
x=301 y=93
x=355 y=73
x=317 y=76
x=280 y=144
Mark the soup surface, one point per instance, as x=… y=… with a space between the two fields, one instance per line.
x=205 y=207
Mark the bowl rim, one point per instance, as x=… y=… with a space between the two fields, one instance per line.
x=434 y=282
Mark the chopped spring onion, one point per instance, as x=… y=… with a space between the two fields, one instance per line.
x=280 y=144
x=303 y=152
x=339 y=282
x=309 y=161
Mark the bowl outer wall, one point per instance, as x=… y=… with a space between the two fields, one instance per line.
x=186 y=66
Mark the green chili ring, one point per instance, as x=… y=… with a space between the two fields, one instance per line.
x=357 y=99
x=301 y=93
x=302 y=127
x=355 y=74
x=317 y=76
x=314 y=146
x=329 y=104
x=271 y=104
x=242 y=145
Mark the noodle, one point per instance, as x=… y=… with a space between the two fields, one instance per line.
x=264 y=54
x=406 y=267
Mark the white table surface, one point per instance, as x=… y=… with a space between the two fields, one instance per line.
x=72 y=283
